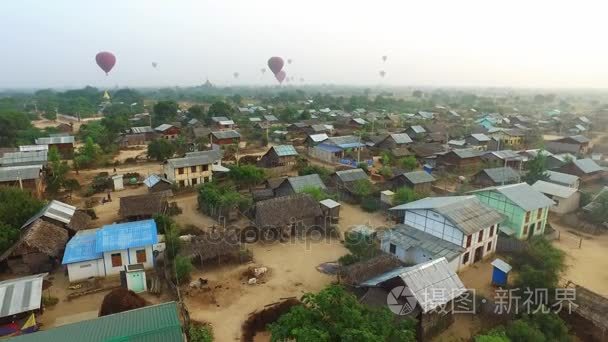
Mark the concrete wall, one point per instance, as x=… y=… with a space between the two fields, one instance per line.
x=85 y=269
x=566 y=205
x=128 y=257
x=435 y=224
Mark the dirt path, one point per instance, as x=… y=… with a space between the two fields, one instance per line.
x=292 y=273
x=353 y=215
x=190 y=214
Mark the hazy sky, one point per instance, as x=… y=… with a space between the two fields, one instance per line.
x=532 y=43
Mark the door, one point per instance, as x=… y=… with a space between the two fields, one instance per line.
x=478 y=254
x=531 y=230
x=136 y=282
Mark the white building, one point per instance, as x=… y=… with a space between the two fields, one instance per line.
x=566 y=199
x=462 y=223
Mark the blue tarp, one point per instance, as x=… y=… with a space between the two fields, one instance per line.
x=354 y=163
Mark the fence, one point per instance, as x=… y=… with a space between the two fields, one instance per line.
x=507 y=244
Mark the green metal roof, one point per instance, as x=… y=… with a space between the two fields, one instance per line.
x=152 y=323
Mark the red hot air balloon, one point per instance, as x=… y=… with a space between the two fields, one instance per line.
x=105 y=60
x=280 y=76
x=275 y=64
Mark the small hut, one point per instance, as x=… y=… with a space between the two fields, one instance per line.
x=287 y=214
x=500 y=272
x=141 y=207
x=212 y=246
x=330 y=210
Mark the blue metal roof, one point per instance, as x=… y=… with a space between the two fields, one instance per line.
x=126 y=235
x=329 y=148
x=81 y=247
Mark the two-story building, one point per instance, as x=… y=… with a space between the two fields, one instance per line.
x=525 y=208
x=167 y=132
x=222 y=123
x=469 y=228
x=105 y=251
x=193 y=169
x=63 y=143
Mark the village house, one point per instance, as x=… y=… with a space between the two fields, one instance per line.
x=279 y=155
x=193 y=169
x=416 y=132
x=564 y=179
x=288 y=214
x=159 y=322
x=167 y=131
x=507 y=136
x=137 y=136
x=335 y=148
x=576 y=144
x=61 y=215
x=65 y=127
x=315 y=139
x=432 y=286
x=141 y=207
x=345 y=180
x=394 y=140
x=271 y=119
x=63 y=144
x=419 y=181
x=295 y=185
x=566 y=199
x=21 y=298
x=26 y=177
x=551 y=161
x=30 y=157
x=460 y=159
x=586 y=169
x=222 y=123
x=495 y=176
x=225 y=137
x=105 y=251
x=525 y=208
x=442 y=217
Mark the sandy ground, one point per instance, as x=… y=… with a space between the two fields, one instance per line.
x=352 y=215
x=133 y=152
x=292 y=273
x=588 y=265
x=190 y=214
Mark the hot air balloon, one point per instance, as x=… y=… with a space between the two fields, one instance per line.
x=289 y=61
x=236 y=75
x=154 y=64
x=105 y=60
x=263 y=70
x=275 y=64
x=280 y=76
x=384 y=58
x=382 y=73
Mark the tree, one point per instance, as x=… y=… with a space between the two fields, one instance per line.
x=164 y=112
x=385 y=159
x=599 y=213
x=417 y=93
x=336 y=315
x=197 y=112
x=183 y=268
x=317 y=193
x=11 y=124
x=536 y=168
x=361 y=247
x=539 y=266
x=160 y=150
x=246 y=175
x=88 y=155
x=404 y=195
x=220 y=108
x=56 y=177
x=497 y=335
x=362 y=188
x=314 y=169
x=200 y=333
x=16 y=207
x=408 y=163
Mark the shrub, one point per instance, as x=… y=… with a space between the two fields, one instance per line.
x=49 y=301
x=183 y=268
x=370 y=204
x=200 y=333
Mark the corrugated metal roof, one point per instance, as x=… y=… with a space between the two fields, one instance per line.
x=328 y=148
x=32 y=148
x=285 y=150
x=143 y=129
x=418 y=177
x=25 y=158
x=346 y=141
x=152 y=180
x=460 y=143
x=522 y=195
x=506 y=154
x=226 y=134
x=502 y=174
x=401 y=138
x=318 y=137
x=255 y=119
x=432 y=283
x=163 y=127
x=480 y=137
x=155 y=323
x=408 y=237
x=467 y=153
x=554 y=189
x=270 y=118
x=360 y=121
x=23 y=172
x=196 y=158
x=55 y=140
x=501 y=265
x=587 y=165
x=562 y=178
x=219 y=119
x=580 y=139
x=55 y=210
x=126 y=235
x=467 y=213
x=418 y=129
x=329 y=203
x=21 y=294
x=351 y=175
x=299 y=183
x=81 y=247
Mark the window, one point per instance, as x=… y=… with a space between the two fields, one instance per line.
x=140 y=255
x=86 y=265
x=489 y=246
x=465 y=258
x=192 y=168
x=491 y=231
x=205 y=167
x=180 y=171
x=469 y=237
x=525 y=230
x=539 y=214
x=116 y=259
x=527 y=216
x=392 y=248
x=480 y=236
x=182 y=183
x=194 y=181
x=539 y=227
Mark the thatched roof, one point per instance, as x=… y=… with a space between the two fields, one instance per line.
x=591 y=306
x=211 y=245
x=80 y=220
x=42 y=236
x=361 y=271
x=143 y=205
x=278 y=212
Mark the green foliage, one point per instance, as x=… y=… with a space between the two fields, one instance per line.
x=336 y=315
x=364 y=167
x=386 y=172
x=536 y=169
x=539 y=265
x=370 y=204
x=200 y=333
x=163 y=222
x=312 y=169
x=16 y=207
x=183 y=268
x=164 y=112
x=216 y=199
x=88 y=155
x=360 y=247
x=385 y=159
x=496 y=335
x=599 y=213
x=49 y=301
x=220 y=108
x=246 y=175
x=538 y=327
x=160 y=150
x=8 y=236
x=317 y=193
x=13 y=125
x=408 y=163
x=405 y=195
x=58 y=170
x=363 y=188
x=172 y=241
